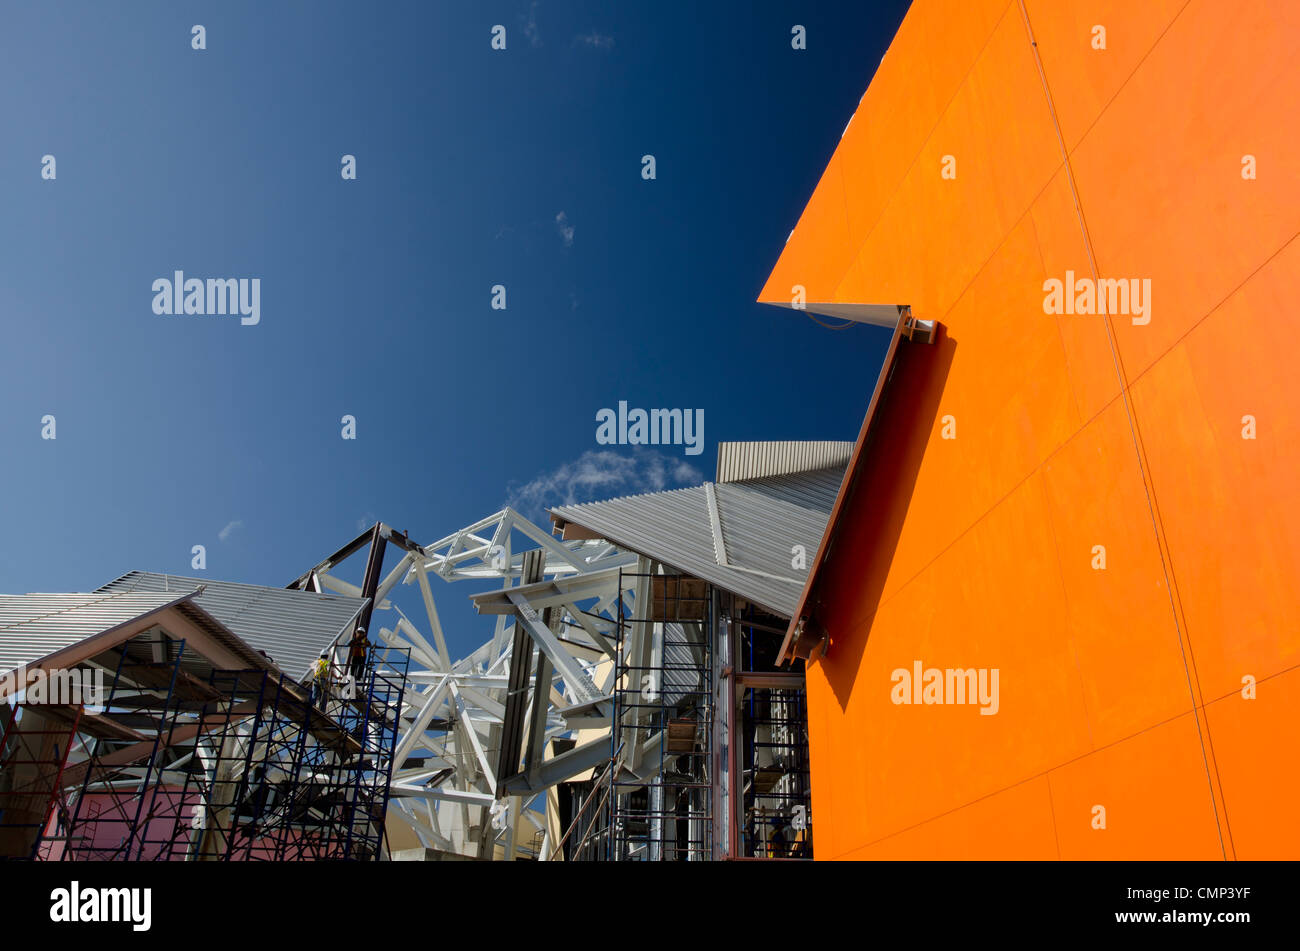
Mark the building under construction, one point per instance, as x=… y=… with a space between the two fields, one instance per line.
x=1090 y=505
x=141 y=726
x=624 y=705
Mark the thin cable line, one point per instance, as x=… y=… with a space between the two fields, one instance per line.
x=1147 y=489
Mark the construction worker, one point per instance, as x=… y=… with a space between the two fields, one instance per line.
x=357 y=656
x=320 y=680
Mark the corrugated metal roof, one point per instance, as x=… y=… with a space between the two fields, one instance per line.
x=681 y=669
x=761 y=520
x=293 y=627
x=738 y=461
x=34 y=626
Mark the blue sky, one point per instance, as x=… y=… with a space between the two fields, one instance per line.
x=474 y=167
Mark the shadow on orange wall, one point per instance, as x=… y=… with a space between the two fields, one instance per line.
x=892 y=454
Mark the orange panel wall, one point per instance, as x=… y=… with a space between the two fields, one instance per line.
x=1123 y=729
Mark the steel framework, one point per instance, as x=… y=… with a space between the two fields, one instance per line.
x=193 y=762
x=664 y=695
x=473 y=743
x=557 y=701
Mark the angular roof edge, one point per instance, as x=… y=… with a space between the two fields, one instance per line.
x=797 y=642
x=735 y=535
x=291 y=626
x=100 y=625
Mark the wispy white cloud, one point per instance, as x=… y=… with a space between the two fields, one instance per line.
x=685 y=472
x=594 y=39
x=601 y=474
x=564 y=229
x=229 y=529
x=366 y=521
x=530 y=25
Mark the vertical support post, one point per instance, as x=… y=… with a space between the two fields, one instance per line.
x=521 y=660
x=724 y=733
x=511 y=730
x=370 y=582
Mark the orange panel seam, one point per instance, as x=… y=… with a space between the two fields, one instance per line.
x=1051 y=806
x=993 y=507
x=919 y=152
x=1106 y=105
x=1262 y=680
x=866 y=618
x=1060 y=334
x=1047 y=773
x=1148 y=486
x=1192 y=711
x=1210 y=313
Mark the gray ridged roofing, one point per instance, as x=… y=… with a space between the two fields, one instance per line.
x=293 y=627
x=761 y=521
x=681 y=668
x=34 y=626
x=738 y=461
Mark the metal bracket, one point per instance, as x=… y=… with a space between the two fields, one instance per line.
x=917 y=331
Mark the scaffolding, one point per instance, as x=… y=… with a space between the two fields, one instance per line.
x=240 y=765
x=708 y=751
x=103 y=799
x=776 y=774
x=585 y=814
x=772 y=723
x=337 y=795
x=34 y=747
x=660 y=778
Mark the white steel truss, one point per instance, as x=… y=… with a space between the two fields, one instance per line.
x=452 y=784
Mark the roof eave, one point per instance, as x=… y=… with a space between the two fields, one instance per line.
x=572 y=518
x=799 y=642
